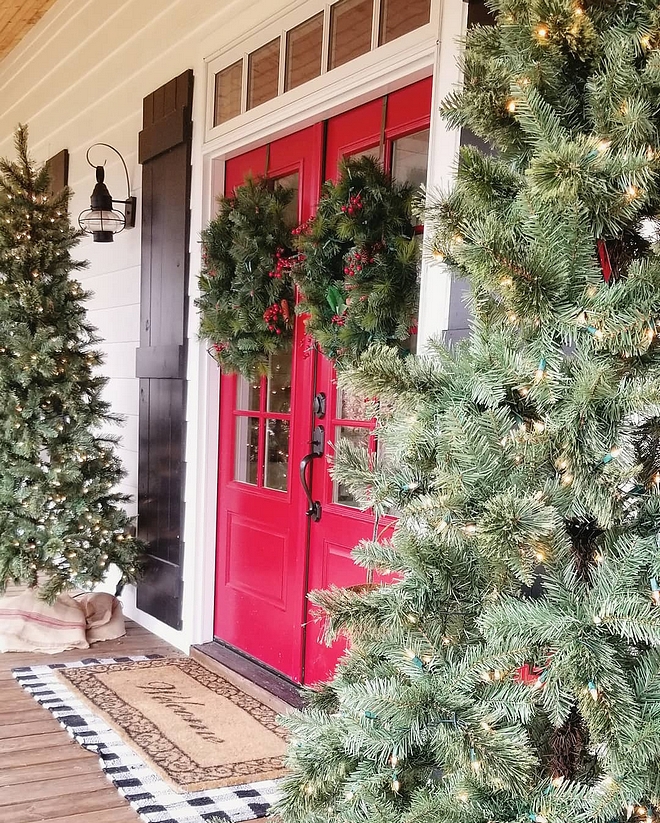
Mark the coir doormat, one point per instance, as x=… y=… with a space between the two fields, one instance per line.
x=152 y=684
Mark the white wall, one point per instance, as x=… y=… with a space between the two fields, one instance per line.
x=78 y=78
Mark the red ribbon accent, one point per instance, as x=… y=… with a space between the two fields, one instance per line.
x=605 y=263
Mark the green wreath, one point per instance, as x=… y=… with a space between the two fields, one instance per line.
x=358 y=262
x=247 y=297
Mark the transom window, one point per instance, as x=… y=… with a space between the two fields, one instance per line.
x=323 y=42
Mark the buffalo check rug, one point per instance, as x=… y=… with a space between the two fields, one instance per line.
x=149 y=794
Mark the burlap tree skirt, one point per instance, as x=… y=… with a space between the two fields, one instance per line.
x=29 y=624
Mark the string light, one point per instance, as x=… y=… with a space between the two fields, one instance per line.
x=542 y=32
x=540 y=372
x=593 y=691
x=632 y=192
x=603 y=146
x=511 y=106
x=540 y=682
x=655 y=591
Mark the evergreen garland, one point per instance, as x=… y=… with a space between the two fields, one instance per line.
x=358 y=261
x=247 y=294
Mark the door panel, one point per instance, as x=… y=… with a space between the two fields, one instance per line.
x=261 y=548
x=380 y=124
x=272 y=550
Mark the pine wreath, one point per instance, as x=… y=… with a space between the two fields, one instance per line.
x=247 y=293
x=358 y=263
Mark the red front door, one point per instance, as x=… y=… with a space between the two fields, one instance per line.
x=270 y=552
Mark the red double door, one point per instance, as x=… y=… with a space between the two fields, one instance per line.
x=284 y=527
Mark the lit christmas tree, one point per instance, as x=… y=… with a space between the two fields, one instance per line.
x=61 y=523
x=512 y=671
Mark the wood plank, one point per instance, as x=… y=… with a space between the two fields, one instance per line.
x=24 y=775
x=17 y=20
x=59 y=787
x=118 y=815
x=63 y=753
x=38 y=811
x=19 y=711
x=56 y=736
x=31 y=729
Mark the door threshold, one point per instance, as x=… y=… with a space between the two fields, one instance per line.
x=254 y=671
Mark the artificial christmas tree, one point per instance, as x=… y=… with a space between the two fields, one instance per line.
x=512 y=672
x=61 y=522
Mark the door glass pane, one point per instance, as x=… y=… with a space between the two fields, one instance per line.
x=279 y=383
x=373 y=152
x=397 y=18
x=350 y=30
x=263 y=73
x=291 y=181
x=410 y=158
x=248 y=394
x=358 y=437
x=351 y=406
x=228 y=83
x=247 y=450
x=277 y=454
x=303 y=52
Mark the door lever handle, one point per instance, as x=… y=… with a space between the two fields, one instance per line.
x=318 y=446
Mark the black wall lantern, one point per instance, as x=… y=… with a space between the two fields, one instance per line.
x=102 y=220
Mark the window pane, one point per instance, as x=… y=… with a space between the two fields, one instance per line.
x=303 y=52
x=263 y=73
x=277 y=455
x=410 y=158
x=397 y=18
x=248 y=394
x=350 y=30
x=279 y=383
x=247 y=450
x=292 y=182
x=359 y=437
x=373 y=152
x=228 y=84
x=351 y=406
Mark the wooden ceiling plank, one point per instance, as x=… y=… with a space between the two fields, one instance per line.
x=16 y=20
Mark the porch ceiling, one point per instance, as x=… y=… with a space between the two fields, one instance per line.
x=17 y=18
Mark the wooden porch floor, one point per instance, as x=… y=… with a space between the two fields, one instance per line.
x=44 y=775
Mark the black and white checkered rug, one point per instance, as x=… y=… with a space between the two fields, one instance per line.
x=153 y=799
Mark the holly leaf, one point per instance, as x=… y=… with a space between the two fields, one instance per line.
x=335 y=299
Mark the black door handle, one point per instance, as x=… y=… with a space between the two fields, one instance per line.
x=318 y=446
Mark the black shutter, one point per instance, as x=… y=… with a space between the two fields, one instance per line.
x=58 y=168
x=164 y=152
